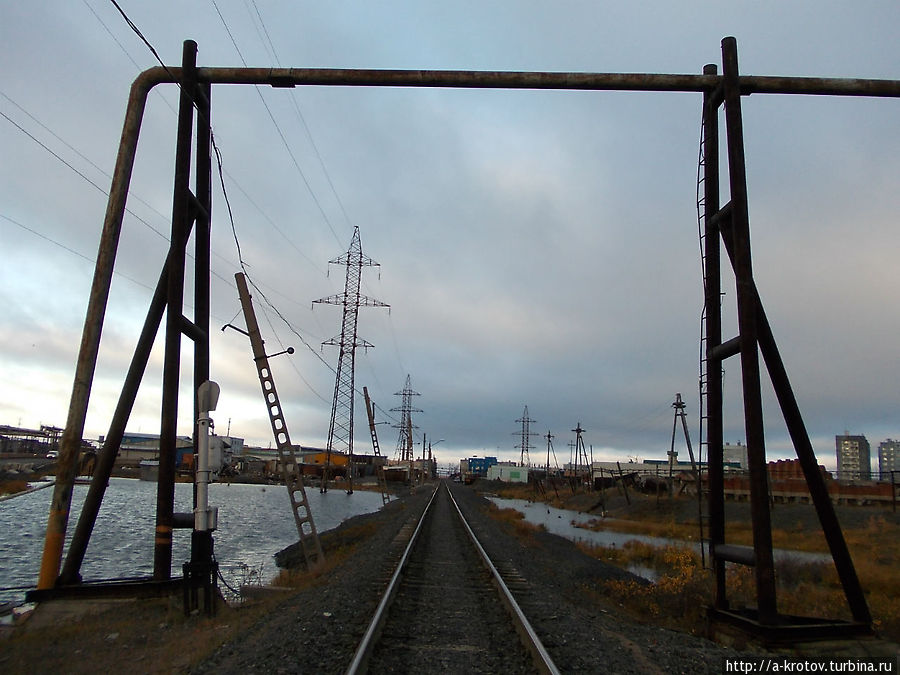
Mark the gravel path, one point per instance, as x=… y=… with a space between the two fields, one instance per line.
x=317 y=630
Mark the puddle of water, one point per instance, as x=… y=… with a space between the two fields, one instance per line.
x=561 y=522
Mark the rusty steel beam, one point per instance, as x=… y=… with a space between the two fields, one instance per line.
x=749 y=353
x=713 y=306
x=70 y=444
x=486 y=79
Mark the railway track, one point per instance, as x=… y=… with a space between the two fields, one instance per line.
x=446 y=608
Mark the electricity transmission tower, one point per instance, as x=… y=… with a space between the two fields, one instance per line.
x=405 y=440
x=340 y=430
x=524 y=444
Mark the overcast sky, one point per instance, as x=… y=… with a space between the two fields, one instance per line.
x=536 y=248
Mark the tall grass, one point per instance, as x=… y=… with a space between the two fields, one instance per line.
x=684 y=588
x=10 y=487
x=516 y=519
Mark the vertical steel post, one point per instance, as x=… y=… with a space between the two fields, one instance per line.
x=181 y=219
x=713 y=300
x=747 y=314
x=202 y=208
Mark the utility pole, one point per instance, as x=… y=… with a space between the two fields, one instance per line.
x=549 y=438
x=379 y=460
x=340 y=430
x=696 y=468
x=524 y=444
x=290 y=467
x=581 y=456
x=550 y=449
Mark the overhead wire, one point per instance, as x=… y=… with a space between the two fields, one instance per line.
x=293 y=365
x=269 y=46
x=70 y=250
x=76 y=171
x=278 y=129
x=93 y=261
x=137 y=31
x=300 y=115
x=100 y=169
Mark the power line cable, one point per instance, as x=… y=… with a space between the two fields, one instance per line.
x=303 y=340
x=92 y=261
x=301 y=117
x=111 y=34
x=79 y=173
x=293 y=365
x=278 y=129
x=95 y=185
x=131 y=193
x=213 y=142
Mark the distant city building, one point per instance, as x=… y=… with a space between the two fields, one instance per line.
x=29 y=441
x=735 y=454
x=888 y=458
x=508 y=473
x=853 y=457
x=476 y=466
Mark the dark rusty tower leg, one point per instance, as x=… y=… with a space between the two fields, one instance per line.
x=186 y=209
x=729 y=224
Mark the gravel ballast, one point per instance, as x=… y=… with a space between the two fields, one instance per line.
x=317 y=629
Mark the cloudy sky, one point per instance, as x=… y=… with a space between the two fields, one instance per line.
x=536 y=248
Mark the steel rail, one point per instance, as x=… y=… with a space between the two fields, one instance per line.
x=527 y=635
x=529 y=638
x=367 y=644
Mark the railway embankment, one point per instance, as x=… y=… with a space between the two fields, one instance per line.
x=313 y=622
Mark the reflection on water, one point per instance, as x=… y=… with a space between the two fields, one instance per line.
x=255 y=521
x=560 y=522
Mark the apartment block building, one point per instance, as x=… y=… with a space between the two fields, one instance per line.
x=853 y=457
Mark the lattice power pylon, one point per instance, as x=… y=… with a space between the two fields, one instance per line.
x=524 y=445
x=405 y=439
x=340 y=430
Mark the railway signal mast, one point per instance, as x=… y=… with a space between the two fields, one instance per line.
x=340 y=430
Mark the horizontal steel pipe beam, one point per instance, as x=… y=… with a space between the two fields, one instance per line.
x=485 y=79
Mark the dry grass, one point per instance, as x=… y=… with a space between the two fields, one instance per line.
x=151 y=636
x=338 y=547
x=683 y=590
x=516 y=520
x=11 y=487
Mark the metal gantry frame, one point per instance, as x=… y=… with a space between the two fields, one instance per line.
x=726 y=225
x=190 y=210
